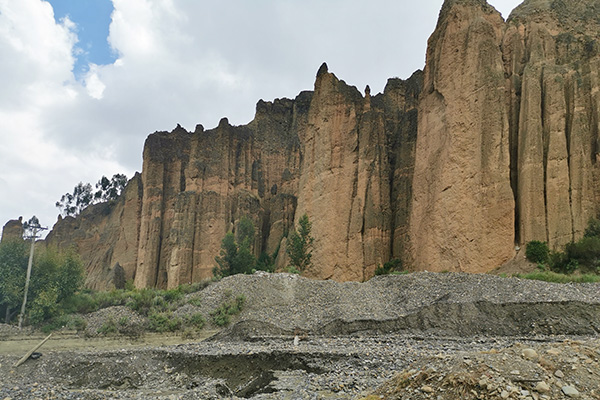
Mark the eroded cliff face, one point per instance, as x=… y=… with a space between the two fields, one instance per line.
x=552 y=58
x=463 y=207
x=508 y=132
x=105 y=235
x=493 y=145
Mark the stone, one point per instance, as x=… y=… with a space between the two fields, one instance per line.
x=570 y=391
x=559 y=374
x=427 y=389
x=542 y=387
x=529 y=354
x=504 y=394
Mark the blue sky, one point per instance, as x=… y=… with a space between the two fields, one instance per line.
x=92 y=18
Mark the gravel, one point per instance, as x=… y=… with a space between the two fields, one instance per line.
x=417 y=336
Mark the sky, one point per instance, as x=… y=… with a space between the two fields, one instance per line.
x=84 y=82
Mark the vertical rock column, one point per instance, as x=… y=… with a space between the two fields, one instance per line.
x=344 y=182
x=462 y=215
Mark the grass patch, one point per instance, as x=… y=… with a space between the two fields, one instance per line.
x=549 y=276
x=142 y=301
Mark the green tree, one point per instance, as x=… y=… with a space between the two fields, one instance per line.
x=299 y=245
x=72 y=204
x=84 y=195
x=537 y=251
x=55 y=278
x=13 y=267
x=110 y=189
x=236 y=256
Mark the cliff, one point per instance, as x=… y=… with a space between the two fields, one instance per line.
x=494 y=144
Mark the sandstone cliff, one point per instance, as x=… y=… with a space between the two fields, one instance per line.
x=508 y=132
x=493 y=145
x=13 y=229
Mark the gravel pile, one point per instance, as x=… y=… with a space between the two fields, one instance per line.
x=560 y=370
x=450 y=304
x=120 y=318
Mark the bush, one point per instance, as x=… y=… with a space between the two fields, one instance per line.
x=236 y=255
x=195 y=320
x=164 y=322
x=45 y=306
x=221 y=316
x=593 y=228
x=108 y=327
x=65 y=321
x=195 y=301
x=537 y=251
x=389 y=267
x=586 y=251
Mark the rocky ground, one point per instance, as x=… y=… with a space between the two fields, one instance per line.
x=417 y=336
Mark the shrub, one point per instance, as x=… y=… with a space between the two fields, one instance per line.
x=554 y=277
x=195 y=301
x=196 y=320
x=236 y=255
x=221 y=316
x=164 y=322
x=389 y=267
x=537 y=251
x=141 y=301
x=65 y=321
x=586 y=251
x=593 y=228
x=292 y=270
x=81 y=303
x=108 y=327
x=45 y=306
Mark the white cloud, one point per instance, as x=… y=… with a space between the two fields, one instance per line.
x=179 y=61
x=95 y=87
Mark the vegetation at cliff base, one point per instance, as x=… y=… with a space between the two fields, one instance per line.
x=221 y=316
x=299 y=245
x=582 y=256
x=549 y=276
x=55 y=279
x=391 y=267
x=537 y=251
x=237 y=252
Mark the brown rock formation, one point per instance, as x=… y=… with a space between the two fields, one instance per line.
x=104 y=235
x=553 y=65
x=494 y=145
x=463 y=206
x=13 y=229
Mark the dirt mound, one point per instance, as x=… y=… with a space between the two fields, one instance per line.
x=445 y=304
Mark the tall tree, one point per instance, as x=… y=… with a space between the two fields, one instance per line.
x=84 y=195
x=13 y=266
x=236 y=255
x=299 y=245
